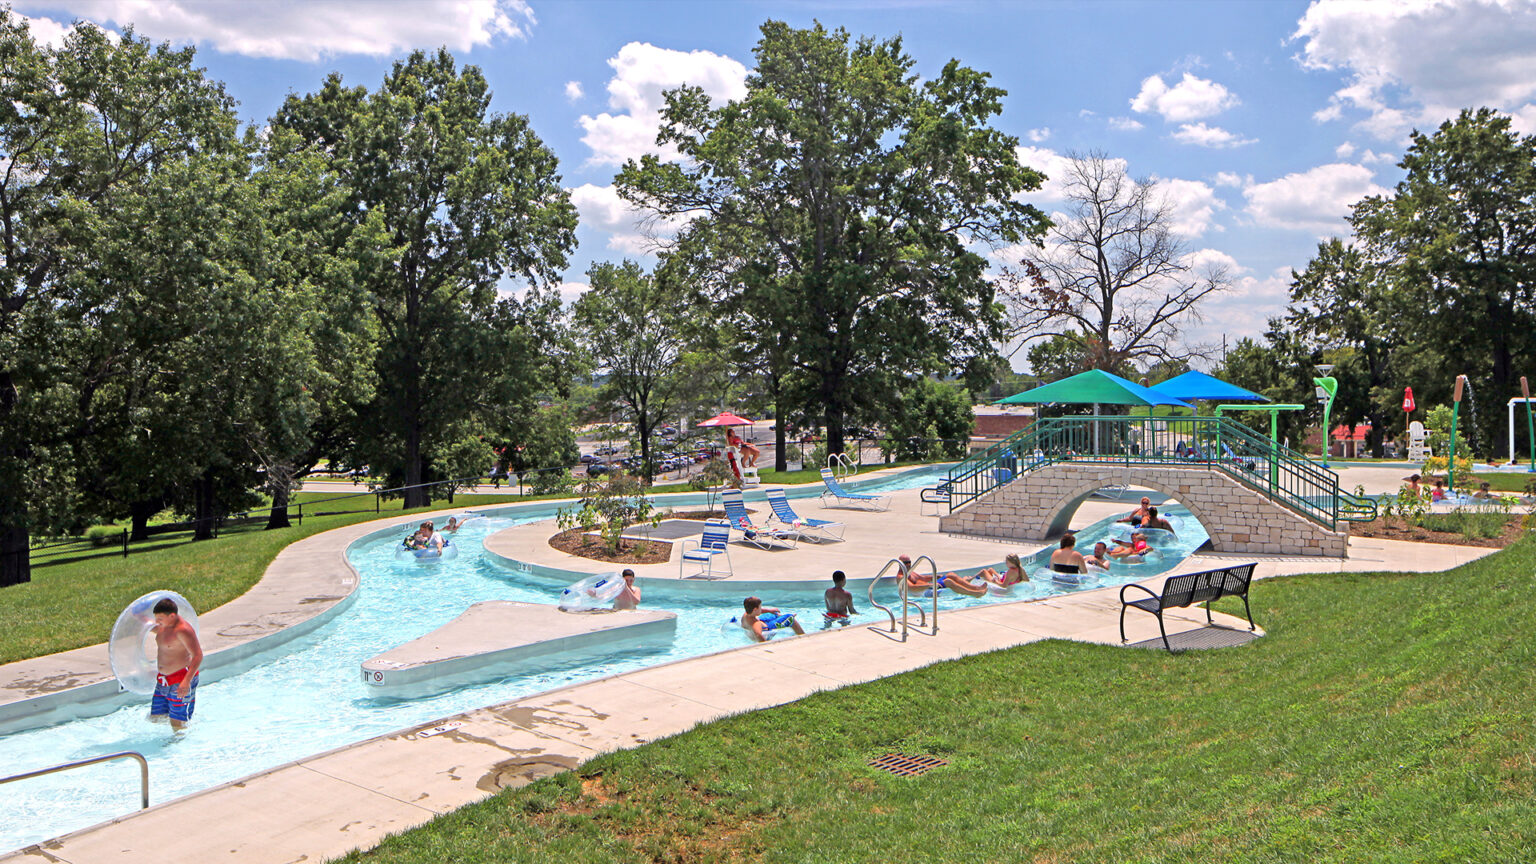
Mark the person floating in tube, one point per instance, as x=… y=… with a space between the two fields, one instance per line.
x=179 y=657
x=759 y=619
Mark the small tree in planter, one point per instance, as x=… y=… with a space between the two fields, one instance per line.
x=609 y=504
x=716 y=476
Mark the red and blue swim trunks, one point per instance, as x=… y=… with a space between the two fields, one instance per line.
x=168 y=701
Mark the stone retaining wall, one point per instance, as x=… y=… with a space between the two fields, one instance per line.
x=1040 y=503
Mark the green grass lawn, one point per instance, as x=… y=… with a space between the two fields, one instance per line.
x=1385 y=718
x=1500 y=481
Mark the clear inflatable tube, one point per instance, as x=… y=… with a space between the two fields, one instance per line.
x=592 y=593
x=132 y=649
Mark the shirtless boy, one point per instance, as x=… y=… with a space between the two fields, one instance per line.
x=629 y=596
x=180 y=658
x=839 y=601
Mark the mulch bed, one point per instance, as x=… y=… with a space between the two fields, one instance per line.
x=577 y=542
x=1394 y=528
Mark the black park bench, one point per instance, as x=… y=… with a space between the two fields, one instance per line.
x=1189 y=589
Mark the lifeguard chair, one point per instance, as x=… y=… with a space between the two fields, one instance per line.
x=1418 y=442
x=747 y=474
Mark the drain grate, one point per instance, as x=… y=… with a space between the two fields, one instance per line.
x=903 y=765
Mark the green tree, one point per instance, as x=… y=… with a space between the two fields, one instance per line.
x=859 y=194
x=466 y=198
x=636 y=327
x=1279 y=369
x=1458 y=237
x=81 y=127
x=931 y=419
x=547 y=448
x=1058 y=357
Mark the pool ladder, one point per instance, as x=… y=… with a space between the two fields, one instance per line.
x=126 y=754
x=907 y=603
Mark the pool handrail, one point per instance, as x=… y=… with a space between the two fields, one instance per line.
x=906 y=602
x=65 y=766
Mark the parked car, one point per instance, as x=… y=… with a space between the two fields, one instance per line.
x=588 y=458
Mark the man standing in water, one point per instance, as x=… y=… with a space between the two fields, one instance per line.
x=179 y=658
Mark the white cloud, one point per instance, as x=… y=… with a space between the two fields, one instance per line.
x=1344 y=151
x=1193 y=205
x=45 y=31
x=1418 y=62
x=1316 y=200
x=601 y=209
x=573 y=91
x=1202 y=135
x=1039 y=135
x=1190 y=99
x=1227 y=178
x=1124 y=124
x=1371 y=157
x=641 y=72
x=309 y=30
x=1207 y=260
x=1055 y=167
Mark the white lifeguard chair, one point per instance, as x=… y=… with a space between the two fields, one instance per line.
x=747 y=474
x=1418 y=442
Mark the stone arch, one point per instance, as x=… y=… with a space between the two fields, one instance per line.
x=1069 y=501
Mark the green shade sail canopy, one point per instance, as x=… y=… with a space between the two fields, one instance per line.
x=1198 y=385
x=1094 y=387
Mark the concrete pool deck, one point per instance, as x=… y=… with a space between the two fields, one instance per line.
x=352 y=797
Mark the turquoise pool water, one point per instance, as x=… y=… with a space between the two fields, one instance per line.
x=306 y=696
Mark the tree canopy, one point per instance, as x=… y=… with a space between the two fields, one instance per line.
x=843 y=200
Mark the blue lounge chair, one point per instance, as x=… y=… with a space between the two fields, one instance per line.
x=844 y=498
x=711 y=545
x=762 y=538
x=803 y=527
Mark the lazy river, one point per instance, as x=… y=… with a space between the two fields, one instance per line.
x=305 y=696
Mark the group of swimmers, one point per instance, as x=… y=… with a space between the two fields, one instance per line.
x=1439 y=492
x=428 y=537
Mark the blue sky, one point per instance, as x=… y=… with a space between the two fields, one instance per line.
x=1262 y=121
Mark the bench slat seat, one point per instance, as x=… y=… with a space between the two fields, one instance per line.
x=1188 y=590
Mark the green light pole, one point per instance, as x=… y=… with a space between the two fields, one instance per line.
x=1450 y=463
x=1327 y=388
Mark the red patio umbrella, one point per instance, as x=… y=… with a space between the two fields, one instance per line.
x=725 y=418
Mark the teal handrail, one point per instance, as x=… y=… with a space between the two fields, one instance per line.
x=1285 y=476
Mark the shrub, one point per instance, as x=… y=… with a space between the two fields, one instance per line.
x=104 y=535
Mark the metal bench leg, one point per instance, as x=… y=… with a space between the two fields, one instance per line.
x=1208 y=619
x=1122 y=623
x=1248 y=612
x=1163 y=630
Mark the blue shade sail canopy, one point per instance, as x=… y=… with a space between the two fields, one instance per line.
x=1198 y=385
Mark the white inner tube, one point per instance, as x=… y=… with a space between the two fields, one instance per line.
x=592 y=593
x=132 y=650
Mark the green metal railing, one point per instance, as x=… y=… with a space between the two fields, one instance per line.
x=1286 y=477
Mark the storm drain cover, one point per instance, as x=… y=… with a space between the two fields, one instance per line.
x=906 y=766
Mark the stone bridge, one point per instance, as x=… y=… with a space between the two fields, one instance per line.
x=1039 y=505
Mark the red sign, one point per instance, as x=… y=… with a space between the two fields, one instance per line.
x=1407 y=398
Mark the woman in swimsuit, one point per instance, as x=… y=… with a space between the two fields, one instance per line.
x=1067 y=559
x=1012 y=574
